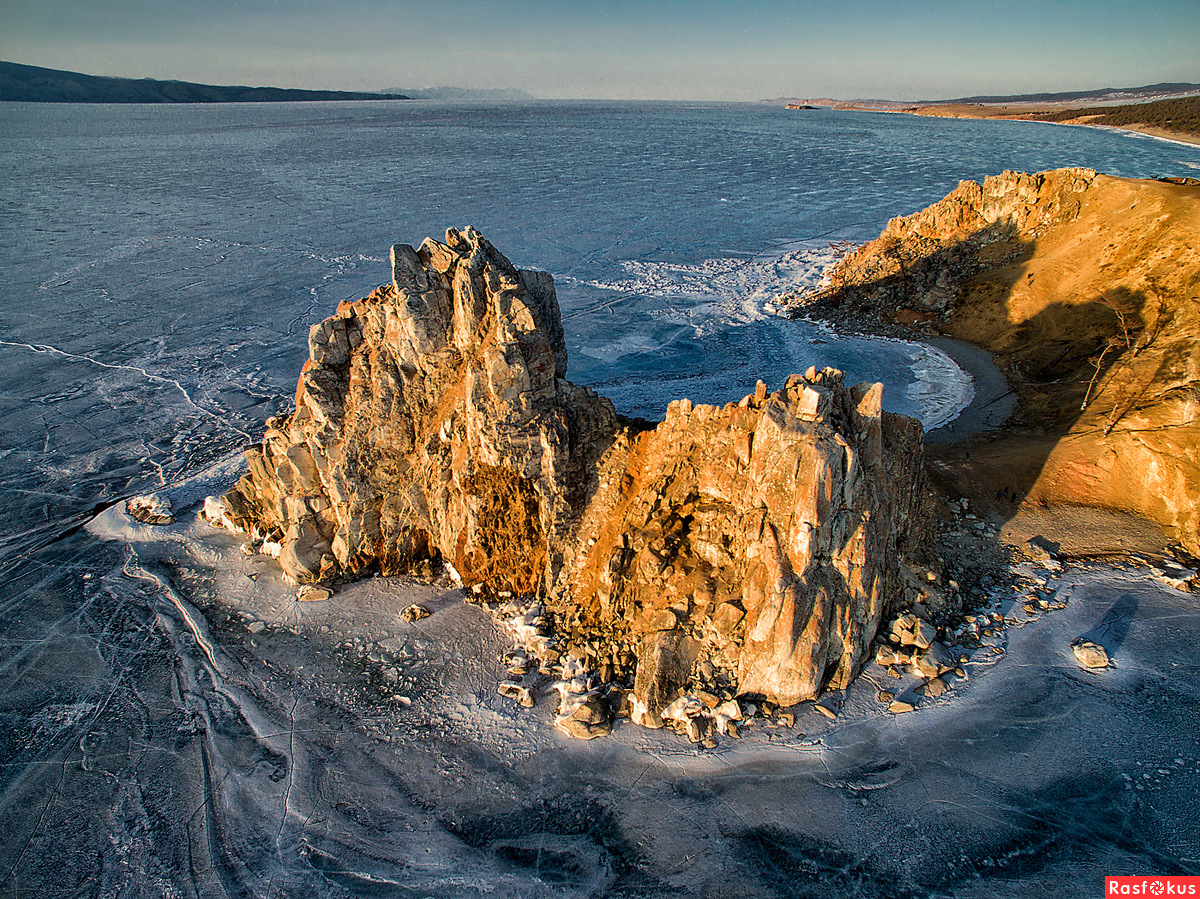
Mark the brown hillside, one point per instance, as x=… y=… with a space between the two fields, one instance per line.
x=1086 y=288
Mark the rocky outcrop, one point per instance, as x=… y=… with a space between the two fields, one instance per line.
x=1086 y=289
x=923 y=261
x=431 y=419
x=749 y=549
x=153 y=508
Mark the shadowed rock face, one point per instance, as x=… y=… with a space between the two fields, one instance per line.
x=752 y=547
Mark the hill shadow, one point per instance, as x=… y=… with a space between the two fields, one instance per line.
x=1068 y=360
x=1058 y=362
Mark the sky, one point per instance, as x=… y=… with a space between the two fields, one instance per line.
x=619 y=49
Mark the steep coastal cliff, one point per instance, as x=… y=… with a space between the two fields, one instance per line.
x=1086 y=289
x=750 y=549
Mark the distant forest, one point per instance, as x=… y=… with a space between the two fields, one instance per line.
x=1181 y=115
x=1129 y=94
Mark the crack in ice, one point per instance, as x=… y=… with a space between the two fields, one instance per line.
x=75 y=357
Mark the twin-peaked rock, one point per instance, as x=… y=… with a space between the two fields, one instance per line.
x=752 y=547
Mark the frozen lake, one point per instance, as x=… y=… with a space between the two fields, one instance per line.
x=162 y=266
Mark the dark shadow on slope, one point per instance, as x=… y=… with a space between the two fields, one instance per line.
x=1067 y=359
x=1111 y=630
x=1071 y=355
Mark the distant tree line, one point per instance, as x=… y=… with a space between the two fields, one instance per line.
x=1181 y=115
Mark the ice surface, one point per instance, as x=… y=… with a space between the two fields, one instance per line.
x=174 y=723
x=706 y=332
x=338 y=748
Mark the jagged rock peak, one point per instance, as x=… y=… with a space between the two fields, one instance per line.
x=751 y=548
x=431 y=419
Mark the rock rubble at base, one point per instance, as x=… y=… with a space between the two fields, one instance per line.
x=744 y=550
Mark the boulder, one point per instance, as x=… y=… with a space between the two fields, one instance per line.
x=313 y=593
x=935 y=687
x=587 y=720
x=663 y=668
x=522 y=694
x=1090 y=655
x=913 y=631
x=304 y=552
x=935 y=660
x=154 y=508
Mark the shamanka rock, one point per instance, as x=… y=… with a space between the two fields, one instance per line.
x=749 y=549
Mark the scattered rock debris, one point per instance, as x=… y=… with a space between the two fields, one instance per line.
x=153 y=508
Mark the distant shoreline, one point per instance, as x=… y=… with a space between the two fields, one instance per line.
x=1030 y=112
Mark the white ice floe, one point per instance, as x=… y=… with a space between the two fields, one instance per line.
x=941 y=389
x=739 y=287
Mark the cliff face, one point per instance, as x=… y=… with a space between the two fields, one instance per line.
x=431 y=419
x=750 y=549
x=923 y=261
x=1087 y=290
x=762 y=540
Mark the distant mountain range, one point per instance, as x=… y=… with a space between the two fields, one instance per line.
x=37 y=85
x=463 y=93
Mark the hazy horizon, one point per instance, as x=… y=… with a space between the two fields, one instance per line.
x=929 y=49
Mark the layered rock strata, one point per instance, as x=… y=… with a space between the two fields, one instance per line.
x=750 y=549
x=1086 y=288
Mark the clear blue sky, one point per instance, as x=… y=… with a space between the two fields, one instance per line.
x=904 y=49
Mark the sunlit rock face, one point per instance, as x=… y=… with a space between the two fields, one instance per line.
x=748 y=549
x=762 y=540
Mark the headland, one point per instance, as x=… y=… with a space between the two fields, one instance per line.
x=767 y=551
